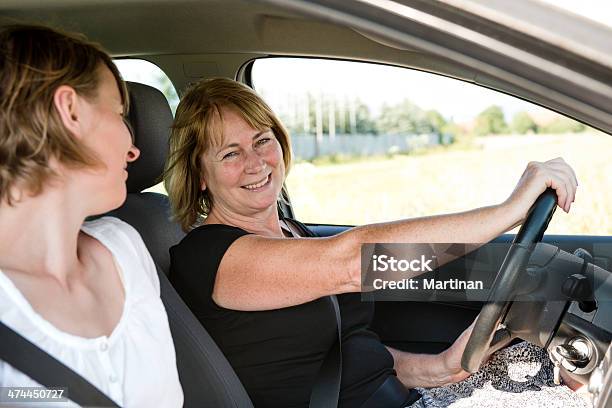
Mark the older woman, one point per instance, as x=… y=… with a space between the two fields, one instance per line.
x=261 y=284
x=86 y=293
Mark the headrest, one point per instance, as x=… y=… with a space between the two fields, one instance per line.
x=151 y=118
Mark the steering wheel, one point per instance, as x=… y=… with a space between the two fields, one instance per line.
x=484 y=335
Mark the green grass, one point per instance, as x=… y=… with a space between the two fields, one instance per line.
x=455 y=179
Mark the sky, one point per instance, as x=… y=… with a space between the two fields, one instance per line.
x=376 y=85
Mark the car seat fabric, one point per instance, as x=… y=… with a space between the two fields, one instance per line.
x=149 y=213
x=206 y=376
x=151 y=118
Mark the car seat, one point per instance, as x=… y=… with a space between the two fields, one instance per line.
x=206 y=376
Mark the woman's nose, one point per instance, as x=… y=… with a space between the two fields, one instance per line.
x=133 y=154
x=254 y=162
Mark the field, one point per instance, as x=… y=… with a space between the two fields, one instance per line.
x=455 y=180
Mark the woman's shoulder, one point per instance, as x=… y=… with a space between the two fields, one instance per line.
x=205 y=229
x=211 y=233
x=126 y=244
x=110 y=226
x=204 y=245
x=112 y=230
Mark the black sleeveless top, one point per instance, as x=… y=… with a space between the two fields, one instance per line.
x=277 y=353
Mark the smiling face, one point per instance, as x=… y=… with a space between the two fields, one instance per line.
x=105 y=132
x=245 y=173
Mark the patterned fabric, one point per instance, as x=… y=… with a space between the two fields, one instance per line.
x=517 y=376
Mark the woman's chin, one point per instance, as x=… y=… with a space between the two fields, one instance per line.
x=266 y=206
x=112 y=201
x=264 y=199
x=262 y=204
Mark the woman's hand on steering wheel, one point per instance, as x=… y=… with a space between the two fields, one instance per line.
x=452 y=357
x=542 y=187
x=536 y=178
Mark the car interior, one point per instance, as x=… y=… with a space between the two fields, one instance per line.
x=204 y=373
x=190 y=40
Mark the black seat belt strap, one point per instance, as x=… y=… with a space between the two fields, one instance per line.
x=47 y=371
x=326 y=390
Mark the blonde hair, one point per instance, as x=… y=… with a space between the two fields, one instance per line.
x=34 y=62
x=198 y=126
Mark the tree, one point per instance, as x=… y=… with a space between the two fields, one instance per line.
x=523 y=123
x=490 y=122
x=365 y=123
x=352 y=116
x=436 y=121
x=563 y=125
x=454 y=130
x=161 y=81
x=404 y=117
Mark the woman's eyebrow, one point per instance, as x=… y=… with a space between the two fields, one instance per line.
x=234 y=144
x=261 y=133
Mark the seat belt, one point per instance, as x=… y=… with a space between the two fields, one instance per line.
x=28 y=358
x=326 y=390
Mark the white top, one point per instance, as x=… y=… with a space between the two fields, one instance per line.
x=136 y=365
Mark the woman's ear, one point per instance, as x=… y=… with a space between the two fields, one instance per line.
x=65 y=100
x=203 y=184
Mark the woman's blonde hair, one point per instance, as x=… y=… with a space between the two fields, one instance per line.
x=197 y=126
x=34 y=62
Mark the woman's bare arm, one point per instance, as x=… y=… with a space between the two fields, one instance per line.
x=259 y=273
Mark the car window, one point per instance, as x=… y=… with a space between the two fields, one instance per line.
x=376 y=143
x=145 y=72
